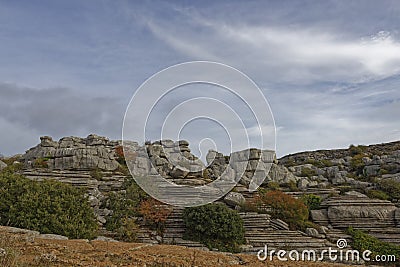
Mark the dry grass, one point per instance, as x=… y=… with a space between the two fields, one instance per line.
x=23 y=251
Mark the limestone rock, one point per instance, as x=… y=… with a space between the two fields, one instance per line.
x=234 y=199
x=313 y=232
x=74 y=153
x=280 y=174
x=105 y=239
x=355 y=194
x=303 y=183
x=358 y=212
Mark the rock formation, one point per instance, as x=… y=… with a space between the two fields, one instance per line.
x=342 y=178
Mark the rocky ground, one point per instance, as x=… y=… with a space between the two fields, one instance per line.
x=22 y=248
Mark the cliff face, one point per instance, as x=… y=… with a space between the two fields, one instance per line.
x=344 y=179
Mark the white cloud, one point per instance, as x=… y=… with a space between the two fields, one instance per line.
x=287 y=54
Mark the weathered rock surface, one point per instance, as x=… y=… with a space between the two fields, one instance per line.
x=358 y=212
x=342 y=178
x=234 y=199
x=73 y=153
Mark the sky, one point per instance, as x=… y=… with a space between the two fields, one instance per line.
x=330 y=70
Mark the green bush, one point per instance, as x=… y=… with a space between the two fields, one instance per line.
x=355 y=150
x=272 y=185
x=319 y=163
x=363 y=241
x=311 y=201
x=290 y=163
x=390 y=187
x=307 y=172
x=96 y=174
x=215 y=225
x=40 y=163
x=357 y=164
x=378 y=194
x=47 y=206
x=125 y=206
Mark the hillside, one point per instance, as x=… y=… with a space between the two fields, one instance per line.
x=322 y=194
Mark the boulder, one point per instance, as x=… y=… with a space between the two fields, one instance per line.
x=303 y=183
x=234 y=199
x=280 y=174
x=313 y=233
x=105 y=239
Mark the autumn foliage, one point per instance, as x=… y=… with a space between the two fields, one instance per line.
x=283 y=206
x=154 y=213
x=119 y=151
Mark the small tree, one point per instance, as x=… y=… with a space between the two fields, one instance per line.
x=311 y=201
x=215 y=225
x=155 y=213
x=125 y=206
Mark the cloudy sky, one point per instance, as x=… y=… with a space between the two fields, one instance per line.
x=329 y=69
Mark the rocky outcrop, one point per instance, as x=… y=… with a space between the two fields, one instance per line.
x=345 y=166
x=73 y=153
x=338 y=176
x=2 y=165
x=355 y=211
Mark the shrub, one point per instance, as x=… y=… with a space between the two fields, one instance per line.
x=284 y=207
x=40 y=163
x=390 y=187
x=155 y=213
x=215 y=225
x=355 y=150
x=363 y=241
x=127 y=229
x=292 y=185
x=119 y=151
x=289 y=163
x=357 y=164
x=96 y=174
x=307 y=172
x=273 y=185
x=47 y=206
x=125 y=208
x=320 y=163
x=311 y=201
x=378 y=194
x=206 y=174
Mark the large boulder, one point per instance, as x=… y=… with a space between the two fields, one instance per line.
x=280 y=174
x=234 y=199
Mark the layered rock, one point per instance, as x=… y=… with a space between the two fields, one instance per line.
x=73 y=153
x=355 y=211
